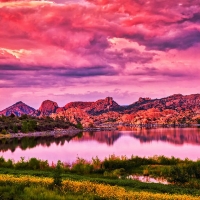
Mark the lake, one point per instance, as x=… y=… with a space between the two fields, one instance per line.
x=178 y=142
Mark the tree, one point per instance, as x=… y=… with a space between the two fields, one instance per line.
x=79 y=125
x=15 y=129
x=24 y=128
x=32 y=124
x=57 y=179
x=12 y=115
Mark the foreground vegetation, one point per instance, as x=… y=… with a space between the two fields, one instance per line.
x=173 y=169
x=43 y=188
x=99 y=179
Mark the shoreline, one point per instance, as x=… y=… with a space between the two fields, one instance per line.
x=71 y=132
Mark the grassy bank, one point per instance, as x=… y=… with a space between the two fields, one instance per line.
x=94 y=179
x=175 y=170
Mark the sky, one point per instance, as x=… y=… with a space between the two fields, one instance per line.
x=84 y=50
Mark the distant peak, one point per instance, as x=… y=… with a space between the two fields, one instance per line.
x=18 y=109
x=48 y=103
x=19 y=102
x=109 y=99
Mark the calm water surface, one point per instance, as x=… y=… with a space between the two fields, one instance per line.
x=177 y=142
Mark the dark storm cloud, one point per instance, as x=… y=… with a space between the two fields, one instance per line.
x=88 y=71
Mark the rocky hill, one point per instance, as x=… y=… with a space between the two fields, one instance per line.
x=47 y=108
x=176 y=102
x=174 y=109
x=78 y=104
x=95 y=108
x=102 y=106
x=18 y=109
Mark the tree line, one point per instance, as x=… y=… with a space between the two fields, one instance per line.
x=26 y=123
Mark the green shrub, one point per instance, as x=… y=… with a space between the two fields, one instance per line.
x=8 y=164
x=81 y=166
x=79 y=125
x=24 y=127
x=4 y=132
x=57 y=179
x=178 y=174
x=21 y=164
x=33 y=163
x=2 y=161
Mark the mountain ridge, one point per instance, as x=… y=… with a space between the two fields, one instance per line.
x=175 y=108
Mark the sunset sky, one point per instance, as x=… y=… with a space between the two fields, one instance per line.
x=70 y=50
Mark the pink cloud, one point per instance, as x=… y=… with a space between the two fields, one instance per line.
x=100 y=45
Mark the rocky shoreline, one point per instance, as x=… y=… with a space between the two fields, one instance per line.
x=71 y=132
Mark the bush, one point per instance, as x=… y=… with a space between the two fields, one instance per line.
x=44 y=164
x=79 y=125
x=4 y=132
x=21 y=164
x=2 y=161
x=178 y=174
x=81 y=166
x=33 y=163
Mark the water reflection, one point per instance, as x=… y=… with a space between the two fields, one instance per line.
x=108 y=137
x=31 y=142
x=178 y=142
x=176 y=136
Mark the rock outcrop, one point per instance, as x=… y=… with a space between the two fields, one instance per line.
x=47 y=108
x=176 y=102
x=78 y=104
x=95 y=108
x=102 y=106
x=174 y=109
x=74 y=115
x=18 y=109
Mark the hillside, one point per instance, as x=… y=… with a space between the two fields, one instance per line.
x=18 y=109
x=174 y=109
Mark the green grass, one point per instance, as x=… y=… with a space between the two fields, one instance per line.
x=132 y=185
x=185 y=175
x=20 y=192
